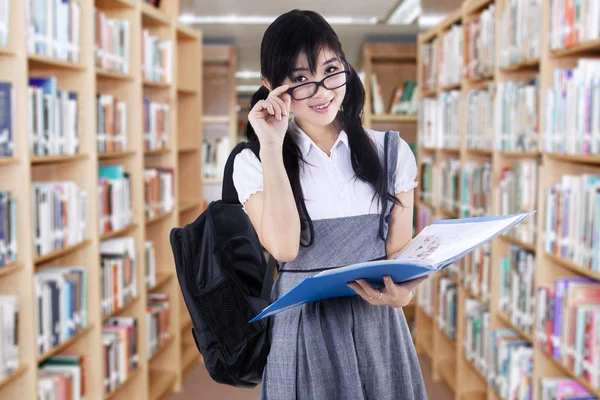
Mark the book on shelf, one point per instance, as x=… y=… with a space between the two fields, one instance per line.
x=405 y=99
x=567 y=325
x=571 y=115
x=435 y=248
x=120 y=350
x=111 y=43
x=157 y=56
x=54 y=29
x=8 y=229
x=150 y=260
x=429 y=64
x=517 y=287
x=521 y=29
x=114 y=192
x=377 y=96
x=428 y=170
x=158 y=191
x=156 y=124
x=59 y=216
x=480 y=44
x=439 y=126
x=510 y=365
x=157 y=322
x=112 y=124
x=572 y=220
x=480 y=118
x=476 y=189
x=425 y=294
x=154 y=3
x=476 y=271
x=62 y=377
x=9 y=335
x=61 y=304
x=4 y=22
x=216 y=154
x=52 y=118
x=451 y=56
x=7 y=118
x=516 y=119
x=447 y=298
x=518 y=191
x=425 y=217
x=573 y=22
x=563 y=389
x=449 y=184
x=118 y=273
x=477 y=335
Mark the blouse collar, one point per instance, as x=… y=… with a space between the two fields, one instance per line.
x=306 y=143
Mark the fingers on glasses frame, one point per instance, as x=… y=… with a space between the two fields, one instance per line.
x=309 y=89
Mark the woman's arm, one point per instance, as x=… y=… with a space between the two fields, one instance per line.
x=400 y=226
x=273 y=211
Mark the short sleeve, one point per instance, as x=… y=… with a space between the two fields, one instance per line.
x=247 y=175
x=406 y=169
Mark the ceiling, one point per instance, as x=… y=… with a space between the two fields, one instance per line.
x=247 y=38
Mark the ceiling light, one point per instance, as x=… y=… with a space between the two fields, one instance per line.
x=265 y=19
x=430 y=20
x=248 y=74
x=406 y=13
x=247 y=88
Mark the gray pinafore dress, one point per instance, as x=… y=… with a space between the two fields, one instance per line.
x=341 y=348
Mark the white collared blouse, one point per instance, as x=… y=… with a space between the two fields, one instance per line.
x=329 y=184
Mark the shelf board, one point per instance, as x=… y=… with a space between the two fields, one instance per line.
x=472 y=367
x=592 y=46
x=102 y=73
x=121 y=310
x=13 y=377
x=5 y=51
x=578 y=269
x=64 y=345
x=161 y=381
x=157 y=152
x=187 y=91
x=120 y=232
x=526 y=246
x=524 y=335
x=472 y=6
x=152 y=16
x=453 y=18
x=115 y=154
x=39 y=61
x=41 y=160
x=449 y=150
x=185 y=32
x=525 y=65
x=579 y=159
x=123 y=385
x=8 y=160
x=429 y=93
x=186 y=206
x=428 y=204
x=10 y=269
x=112 y=4
x=155 y=220
x=520 y=154
x=448 y=213
x=480 y=152
x=162 y=349
x=394 y=118
x=188 y=149
x=216 y=119
x=161 y=279
x=432 y=149
x=448 y=374
x=156 y=85
x=60 y=253
x=476 y=80
x=212 y=181
x=448 y=88
x=568 y=372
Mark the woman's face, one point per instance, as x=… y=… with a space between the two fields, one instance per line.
x=322 y=108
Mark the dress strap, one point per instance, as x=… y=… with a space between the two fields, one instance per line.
x=390 y=160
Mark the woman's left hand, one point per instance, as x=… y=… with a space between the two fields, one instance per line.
x=392 y=295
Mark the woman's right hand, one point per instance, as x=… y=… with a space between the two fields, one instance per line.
x=269 y=117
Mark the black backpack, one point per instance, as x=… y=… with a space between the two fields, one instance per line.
x=226 y=281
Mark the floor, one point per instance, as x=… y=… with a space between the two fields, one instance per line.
x=198 y=385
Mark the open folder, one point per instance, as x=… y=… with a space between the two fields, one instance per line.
x=436 y=247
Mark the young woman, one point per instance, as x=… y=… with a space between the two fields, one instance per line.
x=325 y=194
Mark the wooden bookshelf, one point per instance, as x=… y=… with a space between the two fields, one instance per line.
x=184 y=96
x=468 y=382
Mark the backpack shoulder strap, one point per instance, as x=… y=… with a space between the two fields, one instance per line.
x=390 y=160
x=228 y=192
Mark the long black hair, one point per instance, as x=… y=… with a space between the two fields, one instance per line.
x=300 y=31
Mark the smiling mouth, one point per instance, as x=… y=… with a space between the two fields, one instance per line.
x=322 y=106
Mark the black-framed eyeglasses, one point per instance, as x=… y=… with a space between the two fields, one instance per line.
x=309 y=89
